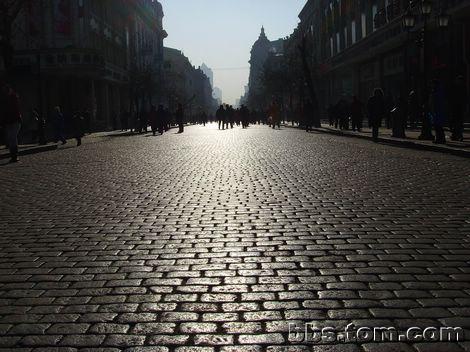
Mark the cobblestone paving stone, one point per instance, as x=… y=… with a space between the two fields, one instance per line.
x=216 y=241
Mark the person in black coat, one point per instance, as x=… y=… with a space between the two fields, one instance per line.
x=356 y=114
x=245 y=116
x=308 y=116
x=459 y=104
x=41 y=127
x=78 y=127
x=376 y=110
x=10 y=119
x=154 y=120
x=180 y=118
x=220 y=115
x=161 y=118
x=124 y=117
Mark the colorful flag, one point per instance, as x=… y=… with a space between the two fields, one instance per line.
x=63 y=17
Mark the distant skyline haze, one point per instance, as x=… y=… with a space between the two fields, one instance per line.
x=220 y=33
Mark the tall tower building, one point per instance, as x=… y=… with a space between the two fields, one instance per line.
x=262 y=49
x=259 y=55
x=208 y=72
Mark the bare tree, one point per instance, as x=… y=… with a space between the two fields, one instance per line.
x=9 y=10
x=274 y=81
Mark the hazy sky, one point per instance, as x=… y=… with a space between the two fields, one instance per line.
x=221 y=33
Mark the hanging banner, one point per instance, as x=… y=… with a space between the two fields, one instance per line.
x=63 y=17
x=33 y=12
x=467 y=42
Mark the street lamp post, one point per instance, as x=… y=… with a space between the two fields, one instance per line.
x=408 y=23
x=425 y=8
x=426 y=128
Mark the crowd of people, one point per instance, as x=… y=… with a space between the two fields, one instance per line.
x=438 y=110
x=11 y=118
x=227 y=117
x=58 y=127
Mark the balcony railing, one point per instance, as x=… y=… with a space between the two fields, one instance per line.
x=387 y=14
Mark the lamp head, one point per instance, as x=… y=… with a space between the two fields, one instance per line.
x=426 y=7
x=409 y=19
x=443 y=19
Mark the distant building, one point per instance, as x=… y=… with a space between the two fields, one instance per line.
x=262 y=49
x=208 y=72
x=217 y=95
x=185 y=84
x=244 y=97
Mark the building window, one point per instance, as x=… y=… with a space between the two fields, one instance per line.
x=62 y=59
x=338 y=42
x=331 y=47
x=353 y=32
x=374 y=13
x=346 y=39
x=363 y=25
x=75 y=58
x=387 y=10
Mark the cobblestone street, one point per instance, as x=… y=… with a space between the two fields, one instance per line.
x=219 y=240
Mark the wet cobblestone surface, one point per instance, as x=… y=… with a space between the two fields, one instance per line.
x=218 y=240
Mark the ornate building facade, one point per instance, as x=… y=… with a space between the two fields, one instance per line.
x=85 y=54
x=186 y=85
x=262 y=49
x=362 y=44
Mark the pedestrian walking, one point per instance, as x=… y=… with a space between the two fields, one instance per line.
x=274 y=114
x=143 y=121
x=459 y=102
x=219 y=115
x=245 y=116
x=114 y=118
x=437 y=111
x=399 y=113
x=153 y=119
x=413 y=109
x=357 y=115
x=226 y=116
x=78 y=127
x=376 y=111
x=343 y=114
x=59 y=121
x=238 y=118
x=40 y=127
x=124 y=119
x=167 y=119
x=133 y=121
x=230 y=116
x=337 y=114
x=308 y=116
x=331 y=115
x=87 y=121
x=161 y=119
x=204 y=118
x=180 y=118
x=10 y=119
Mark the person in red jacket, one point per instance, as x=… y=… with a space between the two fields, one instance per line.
x=153 y=117
x=10 y=119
